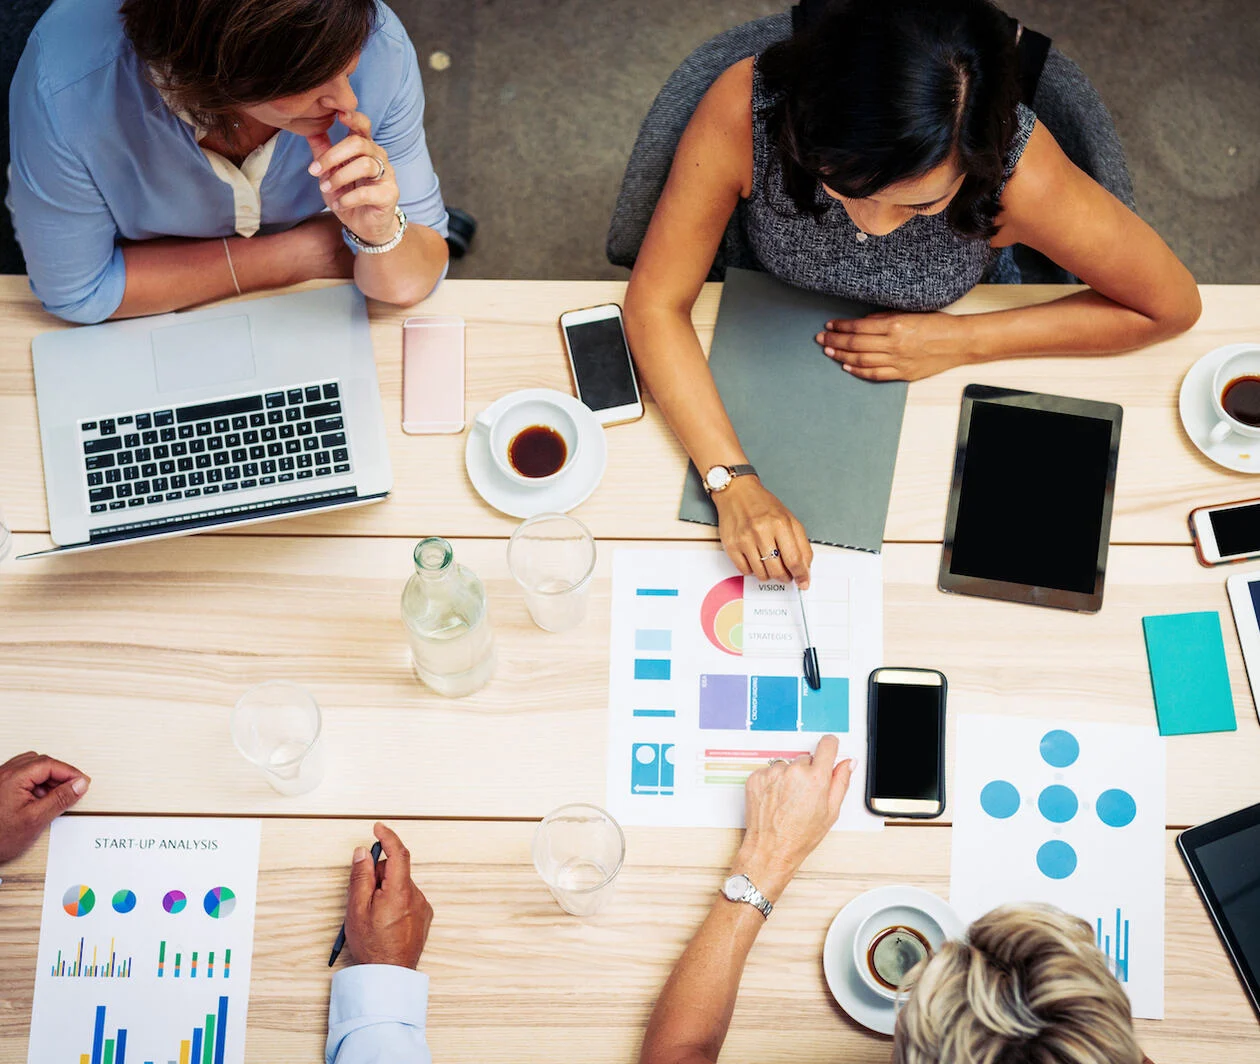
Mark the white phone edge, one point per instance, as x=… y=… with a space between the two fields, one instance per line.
x=434 y=428
x=611 y=415
x=1247 y=627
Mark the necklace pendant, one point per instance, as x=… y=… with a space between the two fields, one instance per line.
x=860 y=237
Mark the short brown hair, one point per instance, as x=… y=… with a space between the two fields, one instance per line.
x=212 y=56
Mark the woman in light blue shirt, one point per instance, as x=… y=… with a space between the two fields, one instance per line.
x=179 y=151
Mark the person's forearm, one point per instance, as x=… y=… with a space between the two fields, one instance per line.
x=689 y=1023
x=408 y=273
x=1083 y=323
x=672 y=364
x=172 y=273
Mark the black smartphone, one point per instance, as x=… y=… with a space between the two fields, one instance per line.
x=905 y=751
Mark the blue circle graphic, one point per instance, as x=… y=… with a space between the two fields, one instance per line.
x=124 y=901
x=1057 y=804
x=999 y=799
x=1056 y=859
x=1116 y=808
x=1059 y=748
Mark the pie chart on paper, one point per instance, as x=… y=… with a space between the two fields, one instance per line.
x=722 y=615
x=174 y=901
x=220 y=901
x=79 y=900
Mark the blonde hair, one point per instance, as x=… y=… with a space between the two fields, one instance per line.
x=1027 y=986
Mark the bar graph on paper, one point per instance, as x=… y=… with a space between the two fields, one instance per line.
x=206 y=1042
x=146 y=942
x=1112 y=938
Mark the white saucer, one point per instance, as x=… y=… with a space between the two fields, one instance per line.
x=1239 y=453
x=559 y=495
x=853 y=995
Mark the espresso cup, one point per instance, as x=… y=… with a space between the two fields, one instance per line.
x=892 y=941
x=516 y=415
x=1243 y=364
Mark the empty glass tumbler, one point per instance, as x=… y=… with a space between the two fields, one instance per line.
x=448 y=626
x=552 y=557
x=578 y=851
x=278 y=727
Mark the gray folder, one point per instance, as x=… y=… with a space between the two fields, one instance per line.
x=822 y=440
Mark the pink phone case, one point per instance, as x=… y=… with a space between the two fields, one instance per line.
x=433 y=375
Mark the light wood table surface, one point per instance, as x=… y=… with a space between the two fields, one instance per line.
x=127 y=660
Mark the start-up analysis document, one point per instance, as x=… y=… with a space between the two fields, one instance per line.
x=706 y=683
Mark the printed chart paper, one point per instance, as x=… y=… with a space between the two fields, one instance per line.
x=145 y=941
x=705 y=680
x=1073 y=815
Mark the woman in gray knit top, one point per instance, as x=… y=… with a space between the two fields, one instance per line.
x=883 y=156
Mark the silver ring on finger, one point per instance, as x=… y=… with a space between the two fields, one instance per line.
x=381 y=173
x=777 y=761
x=774 y=553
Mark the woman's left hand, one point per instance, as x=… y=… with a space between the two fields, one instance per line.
x=347 y=173
x=891 y=346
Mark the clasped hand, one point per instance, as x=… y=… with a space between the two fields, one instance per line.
x=347 y=171
x=891 y=346
x=34 y=790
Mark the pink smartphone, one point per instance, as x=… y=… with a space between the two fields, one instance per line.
x=433 y=375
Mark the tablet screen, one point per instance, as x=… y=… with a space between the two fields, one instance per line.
x=1030 y=509
x=1232 y=868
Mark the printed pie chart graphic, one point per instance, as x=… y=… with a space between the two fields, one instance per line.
x=174 y=901
x=722 y=615
x=79 y=900
x=124 y=901
x=220 y=901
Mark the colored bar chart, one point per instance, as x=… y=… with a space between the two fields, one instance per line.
x=735 y=766
x=79 y=966
x=207 y=1043
x=209 y=972
x=734 y=702
x=105 y=1050
x=1115 y=946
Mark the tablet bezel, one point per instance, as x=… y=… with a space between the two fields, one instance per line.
x=1031 y=594
x=1247 y=626
x=1188 y=843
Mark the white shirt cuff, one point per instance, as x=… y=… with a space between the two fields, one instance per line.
x=377 y=1011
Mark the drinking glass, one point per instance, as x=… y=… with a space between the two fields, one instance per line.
x=552 y=557
x=277 y=726
x=6 y=538
x=578 y=851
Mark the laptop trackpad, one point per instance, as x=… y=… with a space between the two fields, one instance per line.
x=203 y=353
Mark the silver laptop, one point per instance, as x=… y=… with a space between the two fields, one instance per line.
x=169 y=425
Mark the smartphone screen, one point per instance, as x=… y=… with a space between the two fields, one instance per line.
x=1237 y=529
x=905 y=741
x=433 y=375
x=601 y=363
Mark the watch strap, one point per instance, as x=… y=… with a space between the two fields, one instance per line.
x=758 y=901
x=743 y=470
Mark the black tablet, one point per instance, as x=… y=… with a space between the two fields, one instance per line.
x=1030 y=506
x=1224 y=861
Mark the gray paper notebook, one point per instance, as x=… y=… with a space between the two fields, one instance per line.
x=823 y=441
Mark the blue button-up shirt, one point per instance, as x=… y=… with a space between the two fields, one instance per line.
x=377 y=1016
x=97 y=157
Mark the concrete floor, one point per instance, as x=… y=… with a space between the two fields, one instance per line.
x=531 y=121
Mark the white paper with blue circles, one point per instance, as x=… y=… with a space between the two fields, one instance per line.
x=1071 y=814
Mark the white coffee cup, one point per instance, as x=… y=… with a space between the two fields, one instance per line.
x=901 y=931
x=1243 y=364
x=515 y=415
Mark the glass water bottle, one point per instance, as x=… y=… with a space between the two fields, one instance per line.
x=444 y=609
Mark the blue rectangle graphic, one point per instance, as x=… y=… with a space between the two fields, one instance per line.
x=827 y=709
x=651 y=668
x=652 y=639
x=652 y=768
x=774 y=703
x=654 y=713
x=662 y=591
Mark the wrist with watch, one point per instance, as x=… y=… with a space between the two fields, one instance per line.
x=720 y=477
x=739 y=888
x=357 y=244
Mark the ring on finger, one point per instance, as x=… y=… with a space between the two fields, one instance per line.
x=774 y=553
x=777 y=761
x=380 y=173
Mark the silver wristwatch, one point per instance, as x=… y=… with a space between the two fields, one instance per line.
x=740 y=888
x=357 y=244
x=719 y=477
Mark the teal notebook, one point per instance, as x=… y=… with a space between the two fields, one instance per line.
x=1188 y=673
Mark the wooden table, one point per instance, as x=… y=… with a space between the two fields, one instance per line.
x=165 y=636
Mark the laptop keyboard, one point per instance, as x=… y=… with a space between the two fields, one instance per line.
x=228 y=447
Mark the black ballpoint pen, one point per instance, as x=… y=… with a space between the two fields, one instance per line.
x=339 y=945
x=813 y=676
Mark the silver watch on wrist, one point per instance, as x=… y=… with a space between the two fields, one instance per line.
x=719 y=477
x=359 y=245
x=740 y=888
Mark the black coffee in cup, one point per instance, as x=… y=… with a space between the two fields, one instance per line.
x=537 y=451
x=893 y=952
x=1241 y=400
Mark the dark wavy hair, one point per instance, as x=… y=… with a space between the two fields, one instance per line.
x=210 y=57
x=879 y=91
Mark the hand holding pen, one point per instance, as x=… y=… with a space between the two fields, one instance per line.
x=387 y=916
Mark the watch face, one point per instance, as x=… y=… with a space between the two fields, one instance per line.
x=735 y=887
x=717 y=478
